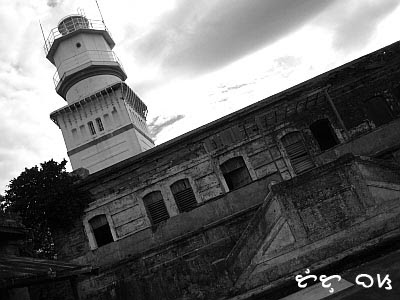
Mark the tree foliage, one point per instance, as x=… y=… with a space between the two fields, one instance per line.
x=47 y=202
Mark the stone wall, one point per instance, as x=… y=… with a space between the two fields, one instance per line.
x=316 y=220
x=312 y=220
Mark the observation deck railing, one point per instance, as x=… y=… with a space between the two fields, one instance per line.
x=70 y=25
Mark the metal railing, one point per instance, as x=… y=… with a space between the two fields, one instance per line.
x=82 y=58
x=69 y=25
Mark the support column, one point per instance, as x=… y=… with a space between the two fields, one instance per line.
x=336 y=112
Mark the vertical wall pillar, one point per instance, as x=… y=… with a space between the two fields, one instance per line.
x=336 y=112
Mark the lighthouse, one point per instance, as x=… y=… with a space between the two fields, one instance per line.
x=104 y=121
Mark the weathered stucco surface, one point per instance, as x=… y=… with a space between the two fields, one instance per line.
x=316 y=220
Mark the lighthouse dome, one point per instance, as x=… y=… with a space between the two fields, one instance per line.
x=72 y=23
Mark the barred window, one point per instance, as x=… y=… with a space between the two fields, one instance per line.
x=99 y=124
x=155 y=207
x=297 y=152
x=101 y=230
x=91 y=128
x=235 y=173
x=183 y=195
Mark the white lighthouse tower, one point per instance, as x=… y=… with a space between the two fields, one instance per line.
x=104 y=121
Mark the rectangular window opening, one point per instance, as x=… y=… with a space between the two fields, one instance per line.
x=101 y=230
x=99 y=124
x=378 y=111
x=91 y=128
x=235 y=173
x=324 y=134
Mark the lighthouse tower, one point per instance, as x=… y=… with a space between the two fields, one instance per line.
x=104 y=121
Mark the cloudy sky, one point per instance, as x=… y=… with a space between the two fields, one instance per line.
x=191 y=61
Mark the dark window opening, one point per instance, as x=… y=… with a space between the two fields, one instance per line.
x=378 y=111
x=101 y=230
x=297 y=152
x=91 y=128
x=155 y=207
x=183 y=195
x=324 y=134
x=235 y=173
x=99 y=124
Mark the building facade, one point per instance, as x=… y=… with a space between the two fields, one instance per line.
x=305 y=179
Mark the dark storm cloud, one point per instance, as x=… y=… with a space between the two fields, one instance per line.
x=155 y=126
x=201 y=36
x=356 y=27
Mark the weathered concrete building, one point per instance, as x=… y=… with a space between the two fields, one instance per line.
x=306 y=179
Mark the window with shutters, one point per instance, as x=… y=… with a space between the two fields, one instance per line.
x=183 y=195
x=297 y=152
x=378 y=111
x=324 y=134
x=235 y=173
x=101 y=230
x=155 y=207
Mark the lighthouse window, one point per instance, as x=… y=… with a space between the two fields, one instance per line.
x=91 y=128
x=100 y=124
